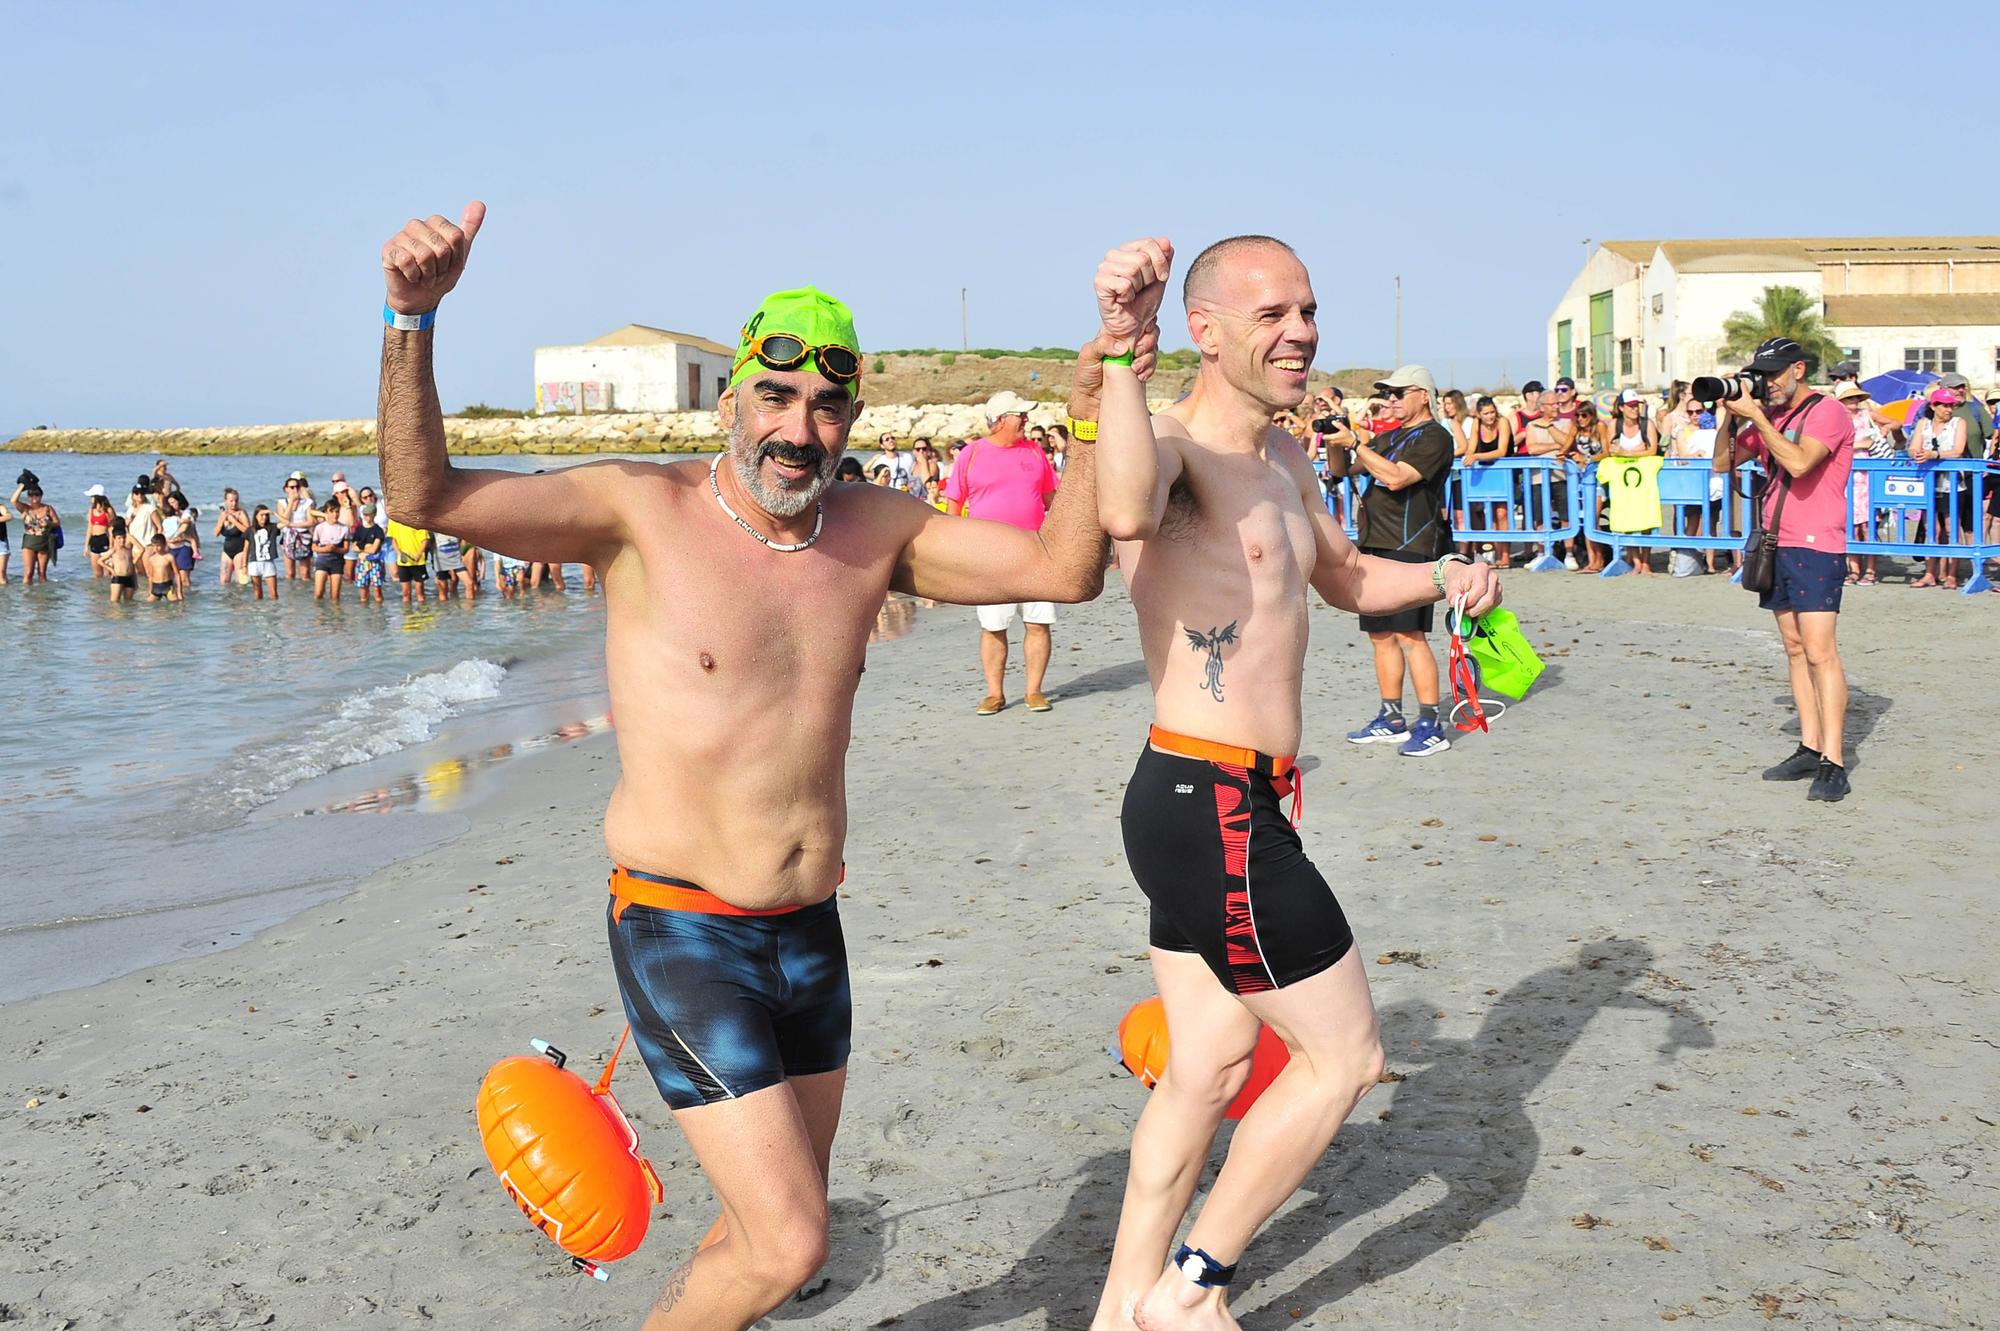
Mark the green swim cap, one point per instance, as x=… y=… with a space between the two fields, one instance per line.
x=812 y=316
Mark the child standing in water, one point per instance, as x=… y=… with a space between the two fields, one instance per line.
x=117 y=561
x=266 y=549
x=163 y=582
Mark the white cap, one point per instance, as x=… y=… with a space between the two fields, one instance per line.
x=94 y=492
x=1629 y=395
x=1007 y=402
x=296 y=476
x=1413 y=376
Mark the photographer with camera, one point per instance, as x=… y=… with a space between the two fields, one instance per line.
x=1806 y=443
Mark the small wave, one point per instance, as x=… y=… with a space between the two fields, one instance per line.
x=363 y=727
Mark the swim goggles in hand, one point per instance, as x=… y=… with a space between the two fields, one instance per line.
x=1464 y=684
x=783 y=351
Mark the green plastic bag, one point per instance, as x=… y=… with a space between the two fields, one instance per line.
x=1507 y=664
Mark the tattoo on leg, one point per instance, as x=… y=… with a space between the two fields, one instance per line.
x=677 y=1284
x=1212 y=642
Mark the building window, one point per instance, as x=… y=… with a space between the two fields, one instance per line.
x=1625 y=358
x=1663 y=361
x=1851 y=353
x=1934 y=360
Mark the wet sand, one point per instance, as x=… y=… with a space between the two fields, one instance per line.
x=1671 y=1043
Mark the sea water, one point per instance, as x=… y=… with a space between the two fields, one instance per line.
x=158 y=761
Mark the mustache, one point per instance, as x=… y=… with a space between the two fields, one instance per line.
x=798 y=455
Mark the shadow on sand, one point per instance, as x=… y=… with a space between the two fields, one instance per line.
x=1460 y=1117
x=1865 y=711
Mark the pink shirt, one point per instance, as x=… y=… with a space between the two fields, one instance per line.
x=1003 y=483
x=1816 y=513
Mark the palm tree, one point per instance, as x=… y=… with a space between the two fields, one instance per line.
x=1781 y=312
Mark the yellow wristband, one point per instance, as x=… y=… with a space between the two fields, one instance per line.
x=1083 y=431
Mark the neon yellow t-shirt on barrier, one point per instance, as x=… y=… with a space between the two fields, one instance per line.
x=1633 y=488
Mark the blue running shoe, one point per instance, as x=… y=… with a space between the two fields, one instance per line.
x=1382 y=730
x=1426 y=738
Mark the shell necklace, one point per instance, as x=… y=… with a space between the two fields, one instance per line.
x=819 y=518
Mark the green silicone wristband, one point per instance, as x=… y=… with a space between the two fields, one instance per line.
x=1124 y=358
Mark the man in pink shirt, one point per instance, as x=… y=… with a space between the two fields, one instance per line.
x=1006 y=478
x=1806 y=443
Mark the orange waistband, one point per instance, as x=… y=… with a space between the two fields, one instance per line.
x=1189 y=747
x=629 y=888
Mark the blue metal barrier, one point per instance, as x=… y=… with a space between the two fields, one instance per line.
x=1540 y=491
x=1904 y=496
x=1559 y=502
x=1699 y=510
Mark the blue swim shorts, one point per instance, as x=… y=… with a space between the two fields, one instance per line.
x=725 y=1004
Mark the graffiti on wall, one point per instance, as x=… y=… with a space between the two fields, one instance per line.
x=572 y=397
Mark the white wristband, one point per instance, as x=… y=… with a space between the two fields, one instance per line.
x=408 y=323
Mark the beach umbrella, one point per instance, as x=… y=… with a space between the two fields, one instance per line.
x=1894 y=385
x=1897 y=392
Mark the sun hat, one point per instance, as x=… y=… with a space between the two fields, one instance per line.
x=1851 y=390
x=1007 y=402
x=806 y=313
x=1412 y=376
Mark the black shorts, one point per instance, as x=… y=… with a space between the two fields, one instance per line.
x=327 y=564
x=412 y=573
x=97 y=545
x=124 y=580
x=1419 y=620
x=1228 y=880
x=723 y=1005
x=1807 y=581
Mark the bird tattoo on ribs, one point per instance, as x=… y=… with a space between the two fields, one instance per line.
x=1212 y=642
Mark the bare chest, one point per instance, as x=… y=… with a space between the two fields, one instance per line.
x=706 y=606
x=1243 y=514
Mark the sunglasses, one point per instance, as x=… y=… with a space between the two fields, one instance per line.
x=782 y=351
x=1396 y=394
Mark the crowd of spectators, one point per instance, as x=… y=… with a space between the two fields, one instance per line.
x=1557 y=422
x=346 y=541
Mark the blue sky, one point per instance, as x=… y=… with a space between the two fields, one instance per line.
x=192 y=196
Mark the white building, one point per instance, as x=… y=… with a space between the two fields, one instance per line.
x=636 y=368
x=1643 y=313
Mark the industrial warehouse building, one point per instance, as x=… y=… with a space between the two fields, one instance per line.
x=1643 y=313
x=635 y=368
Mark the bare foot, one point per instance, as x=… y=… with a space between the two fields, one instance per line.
x=1177 y=1304
x=1114 y=1315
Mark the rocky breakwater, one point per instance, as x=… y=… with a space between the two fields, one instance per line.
x=610 y=432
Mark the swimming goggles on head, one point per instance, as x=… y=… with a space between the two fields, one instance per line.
x=784 y=351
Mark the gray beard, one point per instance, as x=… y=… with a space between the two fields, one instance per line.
x=780 y=501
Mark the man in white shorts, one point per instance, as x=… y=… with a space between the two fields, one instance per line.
x=1006 y=477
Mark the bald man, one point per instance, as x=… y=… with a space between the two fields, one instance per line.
x=1219 y=530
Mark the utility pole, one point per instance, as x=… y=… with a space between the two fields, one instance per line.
x=1399 y=318
x=964 y=324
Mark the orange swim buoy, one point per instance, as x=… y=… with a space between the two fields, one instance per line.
x=1142 y=1048
x=567 y=1156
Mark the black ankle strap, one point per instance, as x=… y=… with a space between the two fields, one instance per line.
x=1204 y=1270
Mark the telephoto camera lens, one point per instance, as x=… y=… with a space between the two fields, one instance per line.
x=1711 y=388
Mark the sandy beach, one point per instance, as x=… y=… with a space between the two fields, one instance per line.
x=1667 y=1043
